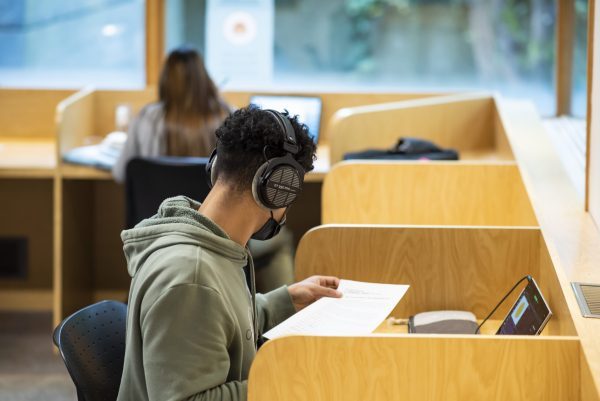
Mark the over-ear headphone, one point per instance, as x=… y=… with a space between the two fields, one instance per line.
x=277 y=182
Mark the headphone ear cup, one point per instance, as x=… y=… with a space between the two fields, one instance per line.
x=256 y=185
x=281 y=186
x=277 y=183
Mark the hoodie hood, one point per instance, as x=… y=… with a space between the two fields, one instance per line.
x=178 y=222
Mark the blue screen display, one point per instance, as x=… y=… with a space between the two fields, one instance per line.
x=528 y=314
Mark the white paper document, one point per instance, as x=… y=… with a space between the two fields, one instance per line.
x=361 y=309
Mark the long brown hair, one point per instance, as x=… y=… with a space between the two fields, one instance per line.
x=193 y=108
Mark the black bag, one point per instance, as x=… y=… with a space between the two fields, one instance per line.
x=406 y=149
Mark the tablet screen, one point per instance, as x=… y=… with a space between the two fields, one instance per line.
x=528 y=315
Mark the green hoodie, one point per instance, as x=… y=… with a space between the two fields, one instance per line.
x=189 y=319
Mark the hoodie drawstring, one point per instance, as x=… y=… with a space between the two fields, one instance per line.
x=253 y=293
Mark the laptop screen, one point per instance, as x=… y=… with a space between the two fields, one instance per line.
x=307 y=108
x=529 y=314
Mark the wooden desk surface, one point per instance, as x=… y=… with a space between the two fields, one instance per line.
x=35 y=157
x=485 y=155
x=27 y=157
x=77 y=172
x=387 y=327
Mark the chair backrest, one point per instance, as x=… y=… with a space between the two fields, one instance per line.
x=92 y=344
x=150 y=181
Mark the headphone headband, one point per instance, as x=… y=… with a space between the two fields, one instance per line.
x=290 y=144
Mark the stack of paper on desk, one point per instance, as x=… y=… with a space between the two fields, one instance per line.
x=361 y=309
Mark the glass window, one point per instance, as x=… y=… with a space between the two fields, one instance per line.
x=405 y=45
x=72 y=43
x=185 y=23
x=579 y=95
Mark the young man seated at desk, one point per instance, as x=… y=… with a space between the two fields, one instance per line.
x=192 y=324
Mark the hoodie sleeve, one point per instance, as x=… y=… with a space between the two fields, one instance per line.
x=273 y=308
x=185 y=336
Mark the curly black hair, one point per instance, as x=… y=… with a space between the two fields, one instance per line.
x=247 y=135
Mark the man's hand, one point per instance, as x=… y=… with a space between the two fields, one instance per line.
x=307 y=291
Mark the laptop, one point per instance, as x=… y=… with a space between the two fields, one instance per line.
x=308 y=109
x=529 y=314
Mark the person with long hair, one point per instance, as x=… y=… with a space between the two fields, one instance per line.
x=183 y=121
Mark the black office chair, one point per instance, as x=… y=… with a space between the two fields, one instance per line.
x=92 y=345
x=150 y=181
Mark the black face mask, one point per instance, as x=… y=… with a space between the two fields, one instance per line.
x=270 y=229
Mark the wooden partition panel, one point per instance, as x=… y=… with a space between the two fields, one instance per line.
x=75 y=120
x=29 y=112
x=411 y=367
x=589 y=389
x=441 y=193
x=110 y=266
x=592 y=176
x=550 y=286
x=463 y=268
x=464 y=122
x=26 y=212
x=92 y=112
x=501 y=144
x=75 y=269
x=28 y=132
x=108 y=100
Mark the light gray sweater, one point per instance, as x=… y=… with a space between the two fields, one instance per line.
x=146 y=138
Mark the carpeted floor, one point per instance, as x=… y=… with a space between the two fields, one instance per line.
x=29 y=370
